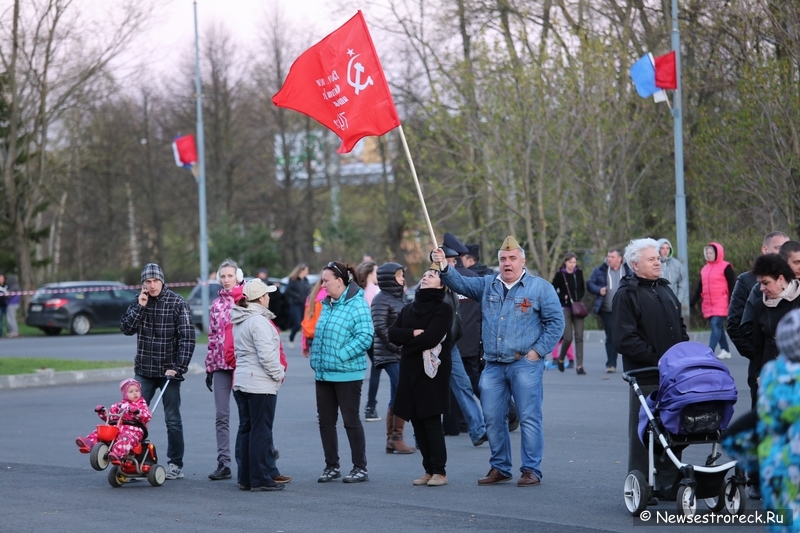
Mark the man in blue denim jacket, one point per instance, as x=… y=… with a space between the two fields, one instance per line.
x=522 y=322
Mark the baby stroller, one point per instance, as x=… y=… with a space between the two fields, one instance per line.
x=692 y=405
x=141 y=462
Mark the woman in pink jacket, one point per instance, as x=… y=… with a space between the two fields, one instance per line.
x=219 y=374
x=717 y=279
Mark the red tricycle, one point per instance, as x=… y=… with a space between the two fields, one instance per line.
x=141 y=462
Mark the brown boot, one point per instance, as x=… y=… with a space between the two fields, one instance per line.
x=389 y=431
x=395 y=442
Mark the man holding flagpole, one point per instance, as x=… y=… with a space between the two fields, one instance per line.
x=521 y=323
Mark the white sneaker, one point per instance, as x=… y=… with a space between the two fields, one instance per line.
x=174 y=471
x=724 y=354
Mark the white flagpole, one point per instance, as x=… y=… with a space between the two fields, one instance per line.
x=419 y=189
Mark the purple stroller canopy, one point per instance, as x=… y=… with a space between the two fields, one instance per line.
x=689 y=374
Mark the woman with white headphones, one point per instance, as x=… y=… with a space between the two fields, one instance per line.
x=219 y=375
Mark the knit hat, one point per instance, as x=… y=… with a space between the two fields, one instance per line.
x=125 y=384
x=152 y=271
x=475 y=251
x=787 y=335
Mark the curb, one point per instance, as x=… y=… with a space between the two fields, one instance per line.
x=47 y=378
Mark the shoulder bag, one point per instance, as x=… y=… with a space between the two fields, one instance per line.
x=578 y=309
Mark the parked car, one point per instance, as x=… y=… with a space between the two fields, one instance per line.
x=277 y=303
x=79 y=306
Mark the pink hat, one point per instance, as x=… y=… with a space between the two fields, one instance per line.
x=125 y=384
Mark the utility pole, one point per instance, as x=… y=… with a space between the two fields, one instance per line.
x=680 y=194
x=201 y=179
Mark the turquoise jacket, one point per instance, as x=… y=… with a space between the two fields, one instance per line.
x=343 y=334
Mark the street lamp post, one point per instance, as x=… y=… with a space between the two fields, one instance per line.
x=680 y=195
x=201 y=179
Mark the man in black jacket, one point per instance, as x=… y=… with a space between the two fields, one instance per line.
x=647 y=322
x=162 y=322
x=460 y=382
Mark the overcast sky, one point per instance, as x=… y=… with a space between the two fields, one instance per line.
x=173 y=30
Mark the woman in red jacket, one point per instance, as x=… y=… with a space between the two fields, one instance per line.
x=717 y=279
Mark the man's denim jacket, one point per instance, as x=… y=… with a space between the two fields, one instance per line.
x=529 y=317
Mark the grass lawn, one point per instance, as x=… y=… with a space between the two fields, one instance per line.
x=29 y=365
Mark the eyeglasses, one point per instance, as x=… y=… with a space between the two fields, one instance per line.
x=336 y=269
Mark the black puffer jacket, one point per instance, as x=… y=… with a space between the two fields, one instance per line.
x=385 y=307
x=647 y=321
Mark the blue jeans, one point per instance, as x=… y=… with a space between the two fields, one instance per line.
x=172 y=413
x=611 y=352
x=393 y=371
x=462 y=389
x=295 y=319
x=256 y=416
x=521 y=379
x=717 y=333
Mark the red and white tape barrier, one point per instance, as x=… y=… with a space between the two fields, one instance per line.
x=57 y=290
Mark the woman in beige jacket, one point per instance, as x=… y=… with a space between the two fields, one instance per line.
x=256 y=382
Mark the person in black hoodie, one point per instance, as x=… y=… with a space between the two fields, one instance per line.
x=568 y=283
x=647 y=322
x=386 y=306
x=423 y=329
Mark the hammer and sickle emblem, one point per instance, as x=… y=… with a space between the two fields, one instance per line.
x=359 y=68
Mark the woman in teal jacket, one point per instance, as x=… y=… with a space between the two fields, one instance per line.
x=339 y=359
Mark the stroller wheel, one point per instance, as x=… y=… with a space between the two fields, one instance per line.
x=636 y=492
x=734 y=498
x=686 y=502
x=98 y=457
x=115 y=477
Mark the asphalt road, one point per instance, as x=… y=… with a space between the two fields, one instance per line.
x=95 y=347
x=46 y=485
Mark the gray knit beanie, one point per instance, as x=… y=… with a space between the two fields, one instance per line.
x=152 y=271
x=787 y=335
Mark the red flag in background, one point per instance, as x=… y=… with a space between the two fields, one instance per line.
x=666 y=72
x=340 y=83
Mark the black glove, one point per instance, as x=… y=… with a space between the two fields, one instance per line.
x=209 y=378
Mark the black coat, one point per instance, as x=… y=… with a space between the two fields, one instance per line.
x=469 y=311
x=386 y=306
x=646 y=317
x=567 y=285
x=741 y=334
x=419 y=396
x=297 y=291
x=765 y=322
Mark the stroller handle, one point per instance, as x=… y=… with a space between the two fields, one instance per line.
x=631 y=375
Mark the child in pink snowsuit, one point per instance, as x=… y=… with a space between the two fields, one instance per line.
x=135 y=418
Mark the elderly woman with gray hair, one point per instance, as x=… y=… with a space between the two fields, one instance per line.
x=647 y=322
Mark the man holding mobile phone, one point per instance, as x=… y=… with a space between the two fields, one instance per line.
x=162 y=321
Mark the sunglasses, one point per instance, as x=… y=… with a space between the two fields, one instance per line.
x=336 y=269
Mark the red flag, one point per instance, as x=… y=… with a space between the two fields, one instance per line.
x=340 y=83
x=185 y=151
x=666 y=72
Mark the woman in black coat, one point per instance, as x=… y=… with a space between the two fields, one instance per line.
x=780 y=294
x=385 y=308
x=424 y=326
x=568 y=283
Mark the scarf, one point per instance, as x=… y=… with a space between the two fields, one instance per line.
x=430 y=359
x=790 y=293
